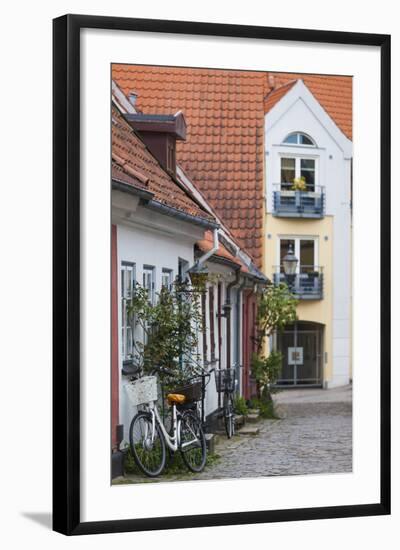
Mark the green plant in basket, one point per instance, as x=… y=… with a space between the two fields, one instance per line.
x=299 y=184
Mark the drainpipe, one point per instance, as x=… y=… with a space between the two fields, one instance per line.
x=227 y=308
x=239 y=325
x=200 y=261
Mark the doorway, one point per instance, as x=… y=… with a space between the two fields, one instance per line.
x=301 y=345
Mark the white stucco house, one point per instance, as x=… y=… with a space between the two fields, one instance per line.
x=303 y=141
x=161 y=226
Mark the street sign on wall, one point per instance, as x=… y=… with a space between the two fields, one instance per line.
x=295 y=356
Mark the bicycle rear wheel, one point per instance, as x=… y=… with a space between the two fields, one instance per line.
x=192 y=442
x=229 y=415
x=147 y=444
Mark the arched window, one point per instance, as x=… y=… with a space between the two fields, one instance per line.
x=298 y=138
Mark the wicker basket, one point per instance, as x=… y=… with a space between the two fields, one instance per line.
x=143 y=390
x=225 y=380
x=192 y=391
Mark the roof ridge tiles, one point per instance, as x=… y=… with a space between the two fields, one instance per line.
x=223 y=151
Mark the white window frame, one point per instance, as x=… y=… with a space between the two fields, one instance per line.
x=150 y=270
x=297 y=239
x=183 y=266
x=297 y=167
x=167 y=273
x=297 y=144
x=127 y=328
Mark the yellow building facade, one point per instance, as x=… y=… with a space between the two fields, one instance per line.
x=317 y=311
x=308 y=214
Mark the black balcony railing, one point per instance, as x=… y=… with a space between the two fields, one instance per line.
x=298 y=204
x=306 y=285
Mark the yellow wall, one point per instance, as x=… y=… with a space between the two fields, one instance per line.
x=318 y=311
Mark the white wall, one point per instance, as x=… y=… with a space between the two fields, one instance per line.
x=136 y=244
x=298 y=111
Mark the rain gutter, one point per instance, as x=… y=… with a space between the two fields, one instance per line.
x=178 y=214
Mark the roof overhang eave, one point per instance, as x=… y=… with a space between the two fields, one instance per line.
x=224 y=261
x=261 y=279
x=180 y=215
x=129 y=188
x=147 y=200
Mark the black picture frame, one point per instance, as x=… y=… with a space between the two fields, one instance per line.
x=66 y=273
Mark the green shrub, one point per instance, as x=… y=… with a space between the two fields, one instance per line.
x=240 y=406
x=266 y=370
x=265 y=406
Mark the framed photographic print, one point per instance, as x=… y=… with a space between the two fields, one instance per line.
x=221 y=274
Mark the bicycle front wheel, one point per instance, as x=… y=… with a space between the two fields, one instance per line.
x=229 y=415
x=147 y=444
x=192 y=442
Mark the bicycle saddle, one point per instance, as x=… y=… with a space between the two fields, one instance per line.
x=177 y=398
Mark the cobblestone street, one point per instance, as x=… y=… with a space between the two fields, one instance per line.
x=313 y=435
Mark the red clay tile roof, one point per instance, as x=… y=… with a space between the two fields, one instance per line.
x=223 y=153
x=118 y=173
x=334 y=93
x=272 y=98
x=207 y=244
x=224 y=150
x=132 y=163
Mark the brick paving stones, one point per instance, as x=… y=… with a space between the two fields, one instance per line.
x=313 y=436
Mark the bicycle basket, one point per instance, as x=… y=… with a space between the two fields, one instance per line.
x=143 y=390
x=192 y=391
x=225 y=380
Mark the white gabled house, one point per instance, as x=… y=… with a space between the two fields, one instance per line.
x=303 y=141
x=161 y=226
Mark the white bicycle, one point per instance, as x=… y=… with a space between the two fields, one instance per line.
x=149 y=438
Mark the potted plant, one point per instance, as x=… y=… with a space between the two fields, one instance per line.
x=299 y=184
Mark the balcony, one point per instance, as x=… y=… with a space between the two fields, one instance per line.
x=298 y=204
x=306 y=285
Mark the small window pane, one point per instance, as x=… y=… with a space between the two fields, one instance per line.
x=123 y=282
x=148 y=281
x=305 y=140
x=306 y=256
x=288 y=163
x=166 y=278
x=307 y=164
x=307 y=168
x=128 y=287
x=288 y=170
x=298 y=138
x=127 y=328
x=291 y=139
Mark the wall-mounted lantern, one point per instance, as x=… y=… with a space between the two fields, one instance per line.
x=289 y=266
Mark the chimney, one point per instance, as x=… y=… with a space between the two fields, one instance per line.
x=160 y=133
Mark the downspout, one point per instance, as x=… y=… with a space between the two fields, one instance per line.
x=228 y=316
x=200 y=261
x=239 y=325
